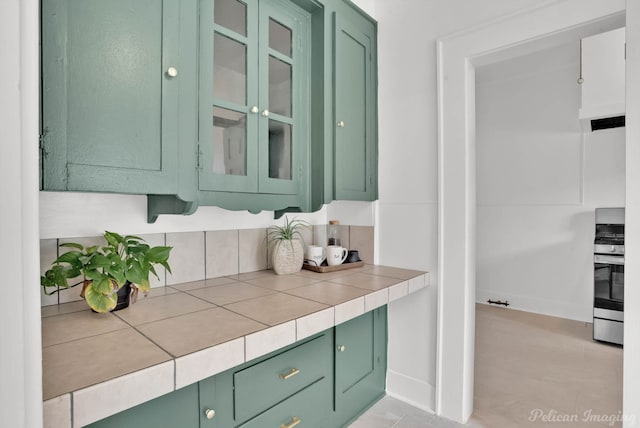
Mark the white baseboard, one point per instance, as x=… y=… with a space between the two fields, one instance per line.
x=412 y=391
x=539 y=306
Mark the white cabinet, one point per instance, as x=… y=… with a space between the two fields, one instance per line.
x=603 y=71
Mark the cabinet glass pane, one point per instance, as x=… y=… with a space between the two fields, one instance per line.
x=229 y=142
x=279 y=87
x=229 y=70
x=279 y=38
x=279 y=150
x=231 y=14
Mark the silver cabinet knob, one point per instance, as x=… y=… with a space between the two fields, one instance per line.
x=265 y=113
x=254 y=109
x=341 y=124
x=172 y=72
x=342 y=348
x=209 y=413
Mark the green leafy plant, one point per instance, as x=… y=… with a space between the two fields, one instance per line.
x=104 y=270
x=289 y=231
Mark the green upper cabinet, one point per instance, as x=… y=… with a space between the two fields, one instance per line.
x=355 y=106
x=242 y=104
x=117 y=95
x=254 y=103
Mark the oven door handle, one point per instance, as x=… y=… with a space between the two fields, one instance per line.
x=611 y=260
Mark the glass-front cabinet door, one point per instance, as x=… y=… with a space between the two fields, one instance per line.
x=253 y=102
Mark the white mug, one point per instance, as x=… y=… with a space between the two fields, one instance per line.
x=316 y=254
x=336 y=255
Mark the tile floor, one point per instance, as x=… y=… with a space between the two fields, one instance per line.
x=531 y=370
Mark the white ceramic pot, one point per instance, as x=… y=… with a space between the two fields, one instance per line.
x=287 y=257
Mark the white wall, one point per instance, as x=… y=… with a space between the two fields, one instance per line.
x=539 y=180
x=20 y=351
x=408 y=210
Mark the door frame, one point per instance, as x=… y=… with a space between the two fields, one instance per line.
x=554 y=22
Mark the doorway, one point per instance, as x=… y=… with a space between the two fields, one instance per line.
x=458 y=56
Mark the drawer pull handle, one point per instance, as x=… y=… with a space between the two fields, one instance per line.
x=289 y=375
x=294 y=422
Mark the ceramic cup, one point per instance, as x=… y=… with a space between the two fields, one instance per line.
x=353 y=256
x=336 y=255
x=316 y=254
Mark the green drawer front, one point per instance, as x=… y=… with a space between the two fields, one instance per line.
x=262 y=385
x=312 y=407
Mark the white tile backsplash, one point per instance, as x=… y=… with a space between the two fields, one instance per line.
x=187 y=257
x=222 y=253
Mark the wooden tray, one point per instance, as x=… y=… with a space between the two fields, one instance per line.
x=325 y=269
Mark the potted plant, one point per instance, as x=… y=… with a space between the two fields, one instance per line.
x=287 y=246
x=109 y=272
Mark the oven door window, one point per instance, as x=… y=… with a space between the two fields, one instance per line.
x=609 y=286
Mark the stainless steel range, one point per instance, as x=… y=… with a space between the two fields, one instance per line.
x=608 y=302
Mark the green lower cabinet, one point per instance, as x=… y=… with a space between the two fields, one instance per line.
x=360 y=364
x=177 y=409
x=324 y=381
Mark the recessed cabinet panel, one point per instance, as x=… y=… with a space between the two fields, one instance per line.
x=112 y=93
x=355 y=148
x=177 y=409
x=110 y=59
x=360 y=363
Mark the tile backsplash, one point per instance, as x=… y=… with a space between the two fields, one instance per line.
x=209 y=254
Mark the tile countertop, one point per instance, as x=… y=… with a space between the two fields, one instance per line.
x=96 y=365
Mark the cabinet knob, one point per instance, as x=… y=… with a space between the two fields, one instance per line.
x=265 y=113
x=254 y=109
x=172 y=72
x=209 y=413
x=341 y=124
x=342 y=348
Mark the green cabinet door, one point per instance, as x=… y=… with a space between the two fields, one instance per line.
x=360 y=363
x=177 y=409
x=118 y=82
x=355 y=110
x=254 y=103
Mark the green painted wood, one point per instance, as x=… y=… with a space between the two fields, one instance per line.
x=208 y=180
x=110 y=112
x=256 y=190
x=360 y=369
x=261 y=386
x=310 y=406
x=355 y=111
x=228 y=402
x=177 y=409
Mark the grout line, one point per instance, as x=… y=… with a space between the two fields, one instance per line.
x=205 y=254
x=71 y=408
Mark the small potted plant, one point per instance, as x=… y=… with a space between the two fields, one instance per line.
x=287 y=246
x=111 y=275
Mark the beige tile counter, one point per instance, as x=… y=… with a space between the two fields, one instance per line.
x=183 y=333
